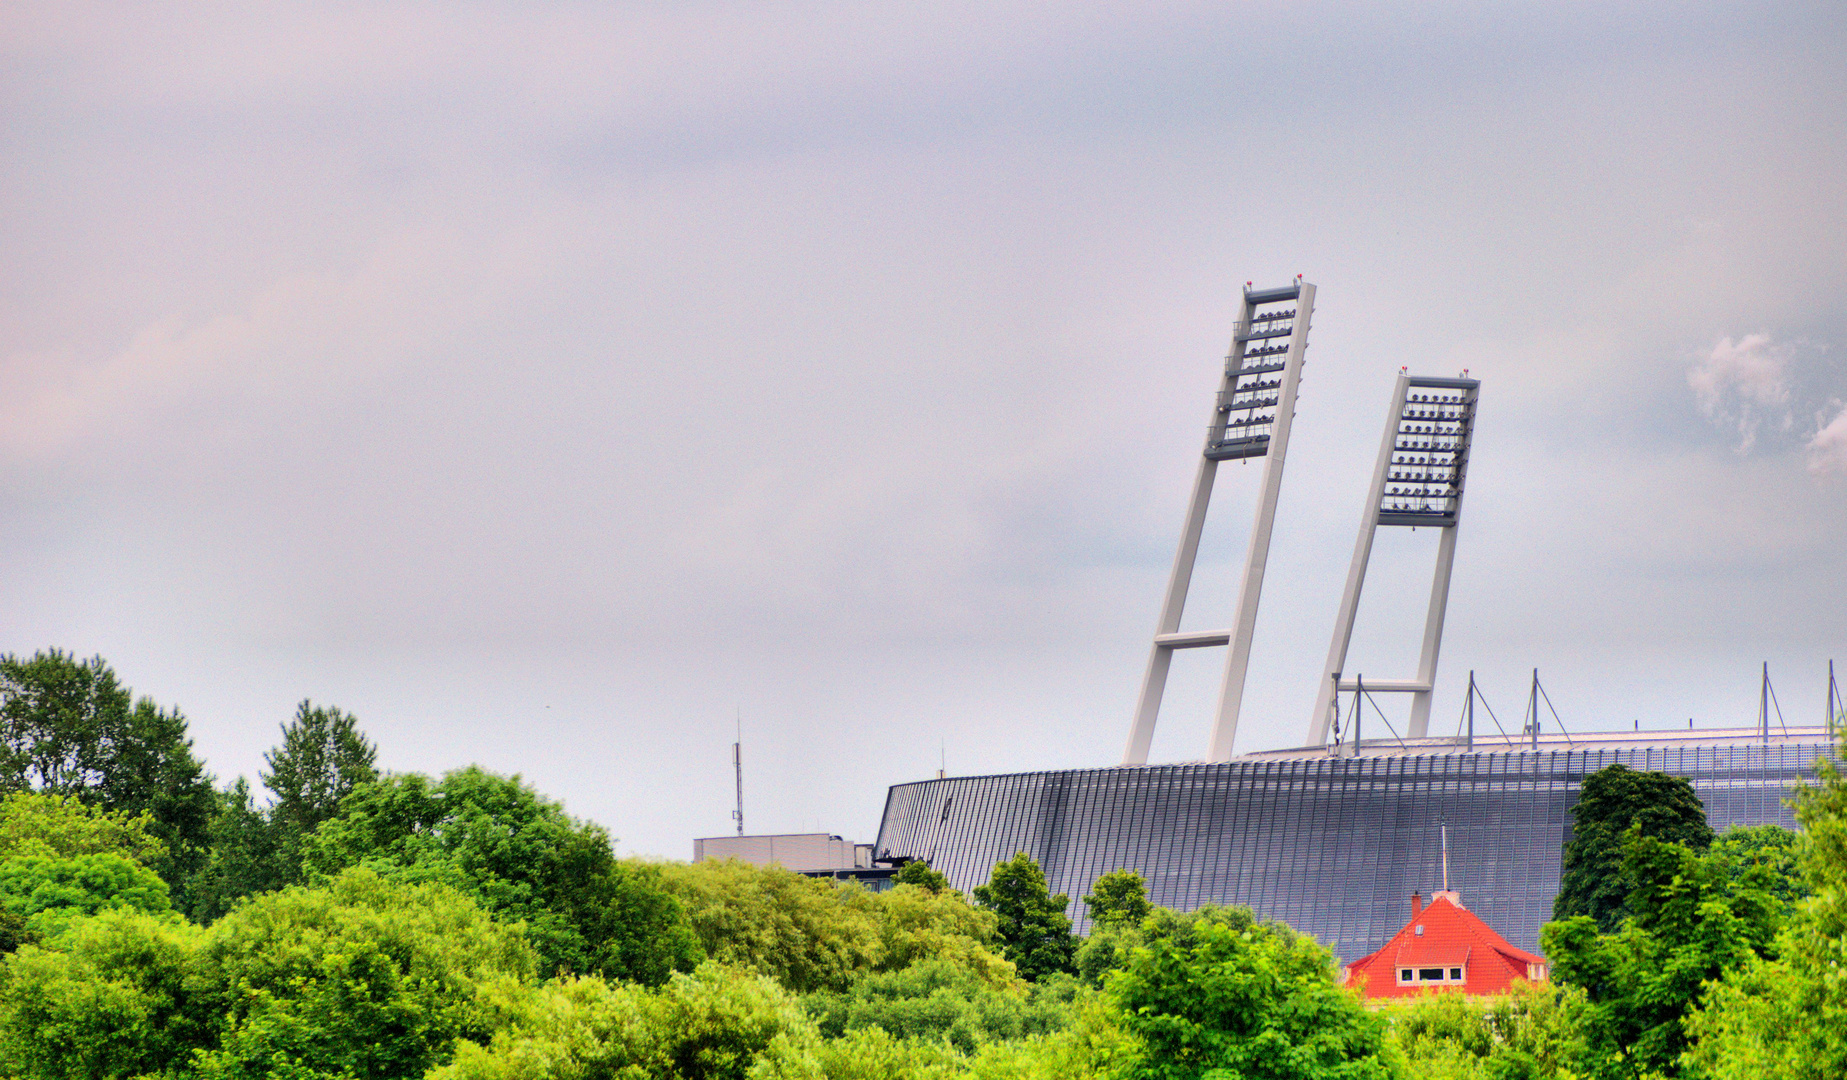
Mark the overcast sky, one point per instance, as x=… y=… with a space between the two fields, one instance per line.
x=549 y=383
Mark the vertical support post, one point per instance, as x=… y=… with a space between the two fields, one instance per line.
x=1250 y=588
x=1359 y=710
x=1532 y=708
x=1471 y=707
x=1433 y=632
x=1160 y=656
x=1356 y=571
x=1763 y=705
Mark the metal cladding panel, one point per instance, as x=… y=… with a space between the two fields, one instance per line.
x=1332 y=846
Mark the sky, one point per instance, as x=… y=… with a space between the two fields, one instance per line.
x=565 y=387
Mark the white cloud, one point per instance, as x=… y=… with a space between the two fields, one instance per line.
x=1744 y=383
x=1828 y=449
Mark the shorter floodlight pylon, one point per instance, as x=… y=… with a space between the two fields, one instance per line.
x=1419 y=479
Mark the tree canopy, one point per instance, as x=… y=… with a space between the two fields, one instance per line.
x=68 y=727
x=1237 y=998
x=1035 y=932
x=1611 y=801
x=1120 y=896
x=523 y=858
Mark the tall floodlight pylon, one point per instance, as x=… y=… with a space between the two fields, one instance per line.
x=1250 y=418
x=1419 y=479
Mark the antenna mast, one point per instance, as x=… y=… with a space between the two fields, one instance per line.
x=737 y=763
x=1445 y=827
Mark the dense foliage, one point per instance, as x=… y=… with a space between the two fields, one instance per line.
x=351 y=925
x=1035 y=932
x=1612 y=801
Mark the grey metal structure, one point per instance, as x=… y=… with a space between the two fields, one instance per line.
x=1419 y=480
x=1251 y=417
x=1332 y=845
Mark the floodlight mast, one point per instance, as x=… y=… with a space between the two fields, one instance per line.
x=1251 y=417
x=1419 y=480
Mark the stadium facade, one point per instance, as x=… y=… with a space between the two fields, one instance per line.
x=1332 y=845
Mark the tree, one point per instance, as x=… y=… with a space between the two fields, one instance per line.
x=1240 y=999
x=111 y=1001
x=1120 y=897
x=1690 y=922
x=68 y=727
x=1034 y=931
x=61 y=826
x=716 y=1023
x=917 y=872
x=1613 y=799
x=323 y=757
x=806 y=933
x=49 y=892
x=363 y=978
x=937 y=1000
x=1786 y=1015
x=246 y=859
x=523 y=858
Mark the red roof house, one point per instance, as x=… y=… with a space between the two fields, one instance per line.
x=1445 y=946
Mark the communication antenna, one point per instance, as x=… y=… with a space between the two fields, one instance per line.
x=737 y=763
x=1419 y=479
x=1250 y=418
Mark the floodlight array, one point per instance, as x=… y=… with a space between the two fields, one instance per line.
x=1253 y=380
x=1430 y=454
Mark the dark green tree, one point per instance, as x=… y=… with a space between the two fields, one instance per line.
x=1691 y=921
x=68 y=727
x=323 y=757
x=1118 y=897
x=1035 y=933
x=521 y=857
x=1612 y=800
x=917 y=872
x=247 y=857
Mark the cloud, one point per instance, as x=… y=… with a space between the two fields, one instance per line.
x=1744 y=383
x=1828 y=449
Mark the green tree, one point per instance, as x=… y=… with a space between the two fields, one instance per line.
x=1034 y=931
x=362 y=978
x=1120 y=896
x=1241 y=999
x=323 y=757
x=917 y=872
x=1528 y=1032
x=111 y=1000
x=1611 y=801
x=68 y=727
x=1786 y=1014
x=524 y=859
x=60 y=826
x=1690 y=923
x=246 y=857
x=806 y=933
x=938 y=1000
x=47 y=893
x=716 y=1023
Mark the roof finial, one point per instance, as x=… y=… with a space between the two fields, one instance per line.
x=1445 y=828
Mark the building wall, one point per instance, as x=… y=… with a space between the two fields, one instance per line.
x=1332 y=846
x=792 y=851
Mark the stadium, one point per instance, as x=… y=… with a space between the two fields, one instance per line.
x=1334 y=836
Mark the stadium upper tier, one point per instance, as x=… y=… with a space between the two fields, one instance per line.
x=1333 y=845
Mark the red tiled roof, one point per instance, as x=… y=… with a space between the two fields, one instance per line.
x=1447 y=935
